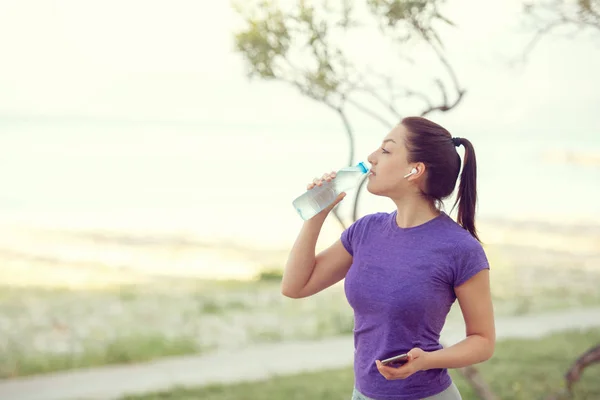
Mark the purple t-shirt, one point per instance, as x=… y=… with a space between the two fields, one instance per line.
x=401 y=287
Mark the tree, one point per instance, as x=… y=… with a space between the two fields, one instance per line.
x=572 y=17
x=302 y=45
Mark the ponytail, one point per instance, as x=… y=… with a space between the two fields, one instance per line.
x=467 y=191
x=434 y=146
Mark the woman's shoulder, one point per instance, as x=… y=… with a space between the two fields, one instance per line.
x=465 y=251
x=460 y=238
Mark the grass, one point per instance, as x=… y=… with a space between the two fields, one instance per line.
x=270 y=274
x=520 y=370
x=46 y=330
x=122 y=350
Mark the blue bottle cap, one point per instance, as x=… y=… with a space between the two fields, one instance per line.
x=363 y=167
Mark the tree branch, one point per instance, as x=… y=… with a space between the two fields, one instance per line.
x=579 y=14
x=445 y=106
x=591 y=356
x=389 y=105
x=537 y=37
x=472 y=375
x=349 y=133
x=369 y=112
x=388 y=84
x=339 y=219
x=357 y=197
x=588 y=358
x=459 y=92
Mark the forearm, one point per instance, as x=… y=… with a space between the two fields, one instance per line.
x=472 y=350
x=301 y=260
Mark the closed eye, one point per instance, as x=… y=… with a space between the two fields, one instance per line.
x=384 y=151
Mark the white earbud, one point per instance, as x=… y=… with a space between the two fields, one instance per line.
x=412 y=172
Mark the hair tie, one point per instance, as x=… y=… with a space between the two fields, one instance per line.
x=456 y=141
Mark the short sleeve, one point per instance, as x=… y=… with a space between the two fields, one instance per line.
x=351 y=236
x=470 y=259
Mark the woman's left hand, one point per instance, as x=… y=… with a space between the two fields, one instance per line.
x=417 y=359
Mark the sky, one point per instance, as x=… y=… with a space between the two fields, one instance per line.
x=105 y=84
x=145 y=59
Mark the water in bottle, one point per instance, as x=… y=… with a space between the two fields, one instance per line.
x=320 y=197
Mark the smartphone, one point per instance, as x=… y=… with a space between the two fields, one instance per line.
x=396 y=359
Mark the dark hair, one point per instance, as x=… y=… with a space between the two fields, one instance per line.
x=431 y=144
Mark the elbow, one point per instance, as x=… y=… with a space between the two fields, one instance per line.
x=483 y=347
x=289 y=294
x=292 y=294
x=489 y=349
x=487 y=355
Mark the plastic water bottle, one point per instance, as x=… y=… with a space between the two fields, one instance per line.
x=318 y=198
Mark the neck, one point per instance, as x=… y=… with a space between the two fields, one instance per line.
x=414 y=211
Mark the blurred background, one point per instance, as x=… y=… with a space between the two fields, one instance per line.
x=150 y=152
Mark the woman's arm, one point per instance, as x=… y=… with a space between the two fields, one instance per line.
x=475 y=300
x=306 y=274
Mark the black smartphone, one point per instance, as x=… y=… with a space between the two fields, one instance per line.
x=396 y=359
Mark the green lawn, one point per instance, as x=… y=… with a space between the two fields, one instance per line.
x=47 y=330
x=122 y=350
x=519 y=370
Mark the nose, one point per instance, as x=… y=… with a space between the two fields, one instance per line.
x=371 y=159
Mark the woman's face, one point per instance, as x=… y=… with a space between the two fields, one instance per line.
x=390 y=165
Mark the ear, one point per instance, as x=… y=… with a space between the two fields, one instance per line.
x=420 y=167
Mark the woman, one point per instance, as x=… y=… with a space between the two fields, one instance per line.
x=403 y=270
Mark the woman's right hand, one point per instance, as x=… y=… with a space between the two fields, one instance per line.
x=327 y=177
